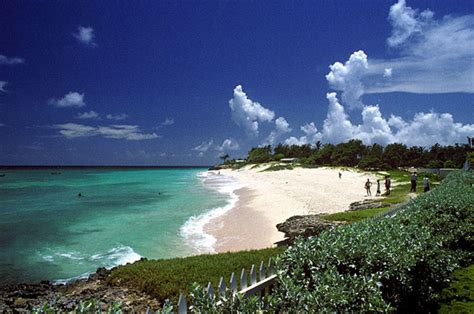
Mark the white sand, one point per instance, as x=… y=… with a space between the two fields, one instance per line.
x=272 y=197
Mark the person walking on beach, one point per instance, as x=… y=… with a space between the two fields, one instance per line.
x=413 y=182
x=340 y=175
x=426 y=184
x=388 y=183
x=368 y=184
x=378 y=188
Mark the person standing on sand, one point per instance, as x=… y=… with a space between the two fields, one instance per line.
x=378 y=188
x=413 y=182
x=426 y=184
x=368 y=184
x=388 y=183
x=340 y=175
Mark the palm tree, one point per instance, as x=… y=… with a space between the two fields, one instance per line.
x=224 y=157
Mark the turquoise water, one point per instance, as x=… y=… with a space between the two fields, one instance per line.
x=48 y=232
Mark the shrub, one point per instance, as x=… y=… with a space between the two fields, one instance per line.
x=400 y=262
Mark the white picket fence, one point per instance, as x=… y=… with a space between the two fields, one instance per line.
x=266 y=279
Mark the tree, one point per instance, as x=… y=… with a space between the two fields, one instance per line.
x=260 y=154
x=224 y=157
x=394 y=155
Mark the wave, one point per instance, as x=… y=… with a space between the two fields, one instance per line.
x=193 y=228
x=120 y=255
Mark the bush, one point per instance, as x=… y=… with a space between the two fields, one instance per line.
x=390 y=263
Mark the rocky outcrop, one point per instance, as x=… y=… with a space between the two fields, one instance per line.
x=305 y=226
x=26 y=297
x=366 y=204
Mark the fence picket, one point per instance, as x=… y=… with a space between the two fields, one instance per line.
x=182 y=304
x=261 y=271
x=270 y=267
x=243 y=279
x=210 y=291
x=233 y=283
x=253 y=275
x=221 y=288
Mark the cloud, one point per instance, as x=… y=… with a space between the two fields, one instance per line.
x=85 y=35
x=424 y=129
x=247 y=113
x=168 y=121
x=347 y=78
x=117 y=117
x=4 y=60
x=88 y=115
x=435 y=55
x=71 y=99
x=432 y=56
x=2 y=86
x=128 y=132
x=406 y=23
x=281 y=127
x=204 y=146
x=311 y=135
x=228 y=145
x=387 y=72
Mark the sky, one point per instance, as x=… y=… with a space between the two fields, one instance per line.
x=183 y=82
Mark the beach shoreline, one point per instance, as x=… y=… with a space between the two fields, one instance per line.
x=269 y=198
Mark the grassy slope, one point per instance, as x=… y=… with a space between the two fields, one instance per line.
x=399 y=193
x=459 y=296
x=166 y=278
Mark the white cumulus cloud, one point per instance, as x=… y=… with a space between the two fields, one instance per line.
x=71 y=99
x=228 y=145
x=88 y=115
x=281 y=127
x=424 y=129
x=247 y=113
x=4 y=60
x=347 y=78
x=85 y=35
x=312 y=135
x=128 y=132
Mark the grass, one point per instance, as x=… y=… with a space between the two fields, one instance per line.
x=355 y=215
x=166 y=278
x=458 y=297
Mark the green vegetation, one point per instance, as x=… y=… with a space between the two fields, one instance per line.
x=458 y=297
x=166 y=278
x=390 y=263
x=355 y=154
x=278 y=167
x=398 y=264
x=356 y=215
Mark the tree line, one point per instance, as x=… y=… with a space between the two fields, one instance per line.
x=354 y=153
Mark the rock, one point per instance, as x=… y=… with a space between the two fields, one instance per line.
x=306 y=226
x=365 y=204
x=20 y=302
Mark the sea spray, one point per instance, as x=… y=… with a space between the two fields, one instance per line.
x=193 y=230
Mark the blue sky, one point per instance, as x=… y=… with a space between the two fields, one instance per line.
x=180 y=82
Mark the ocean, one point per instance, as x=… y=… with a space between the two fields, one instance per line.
x=49 y=232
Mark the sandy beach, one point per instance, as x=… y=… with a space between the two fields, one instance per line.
x=269 y=198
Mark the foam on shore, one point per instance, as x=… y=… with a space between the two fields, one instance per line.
x=193 y=229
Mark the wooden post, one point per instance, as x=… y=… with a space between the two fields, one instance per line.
x=261 y=271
